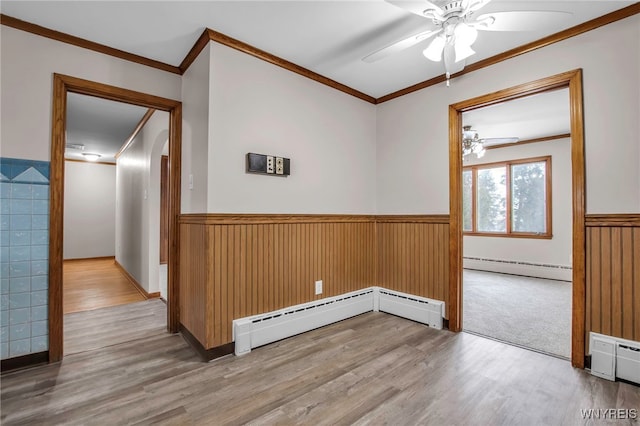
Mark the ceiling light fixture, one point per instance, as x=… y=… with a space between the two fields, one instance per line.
x=91 y=156
x=471 y=144
x=456 y=33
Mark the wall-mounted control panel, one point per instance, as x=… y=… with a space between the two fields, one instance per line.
x=268 y=164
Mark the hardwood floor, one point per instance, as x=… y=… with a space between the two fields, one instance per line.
x=371 y=369
x=96 y=283
x=104 y=327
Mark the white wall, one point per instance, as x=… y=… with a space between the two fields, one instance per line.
x=328 y=135
x=195 y=132
x=412 y=153
x=553 y=252
x=89 y=210
x=27 y=67
x=138 y=203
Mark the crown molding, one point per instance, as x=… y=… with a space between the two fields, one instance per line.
x=86 y=44
x=211 y=35
x=283 y=63
x=526 y=48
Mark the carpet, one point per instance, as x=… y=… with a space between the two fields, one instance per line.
x=531 y=312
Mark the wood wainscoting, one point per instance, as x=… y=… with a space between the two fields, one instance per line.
x=413 y=255
x=613 y=275
x=233 y=266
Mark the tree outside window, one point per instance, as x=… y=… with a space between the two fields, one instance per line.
x=511 y=198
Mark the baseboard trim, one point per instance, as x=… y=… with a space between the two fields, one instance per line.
x=78 y=259
x=24 y=361
x=137 y=285
x=206 y=354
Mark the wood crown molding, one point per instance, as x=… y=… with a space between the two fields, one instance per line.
x=98 y=163
x=534 y=140
x=526 y=48
x=135 y=132
x=211 y=35
x=283 y=63
x=86 y=44
x=613 y=220
x=253 y=219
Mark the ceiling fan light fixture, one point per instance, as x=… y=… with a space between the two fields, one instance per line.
x=463 y=51
x=433 y=52
x=465 y=34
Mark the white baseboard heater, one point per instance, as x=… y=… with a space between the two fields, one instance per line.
x=613 y=357
x=258 y=330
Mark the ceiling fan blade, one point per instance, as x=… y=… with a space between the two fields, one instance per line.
x=498 y=141
x=399 y=46
x=416 y=6
x=473 y=5
x=519 y=20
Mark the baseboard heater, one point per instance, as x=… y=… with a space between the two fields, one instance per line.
x=614 y=358
x=252 y=332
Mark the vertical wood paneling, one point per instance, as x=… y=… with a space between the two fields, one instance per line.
x=193 y=271
x=613 y=277
x=413 y=256
x=260 y=267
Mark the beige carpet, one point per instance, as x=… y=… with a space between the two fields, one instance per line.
x=531 y=312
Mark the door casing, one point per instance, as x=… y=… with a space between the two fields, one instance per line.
x=573 y=81
x=63 y=84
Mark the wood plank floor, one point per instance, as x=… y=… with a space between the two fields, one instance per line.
x=95 y=283
x=100 y=328
x=369 y=370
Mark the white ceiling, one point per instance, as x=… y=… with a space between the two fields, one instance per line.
x=328 y=37
x=531 y=117
x=102 y=126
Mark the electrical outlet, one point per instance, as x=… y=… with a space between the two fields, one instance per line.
x=270 y=164
x=279 y=165
x=318 y=287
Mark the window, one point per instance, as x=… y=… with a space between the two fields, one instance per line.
x=511 y=198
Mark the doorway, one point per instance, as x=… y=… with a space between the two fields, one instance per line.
x=573 y=81
x=517 y=222
x=62 y=86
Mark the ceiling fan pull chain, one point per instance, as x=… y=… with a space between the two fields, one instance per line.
x=448 y=75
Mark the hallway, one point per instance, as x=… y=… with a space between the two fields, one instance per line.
x=96 y=283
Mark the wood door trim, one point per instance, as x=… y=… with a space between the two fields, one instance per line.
x=572 y=80
x=164 y=209
x=62 y=84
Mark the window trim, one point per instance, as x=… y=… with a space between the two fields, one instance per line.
x=509 y=232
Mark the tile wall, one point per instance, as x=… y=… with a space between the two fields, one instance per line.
x=24 y=254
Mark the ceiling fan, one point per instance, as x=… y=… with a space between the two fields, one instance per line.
x=455 y=27
x=473 y=145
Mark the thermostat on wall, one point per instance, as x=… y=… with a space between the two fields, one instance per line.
x=268 y=164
